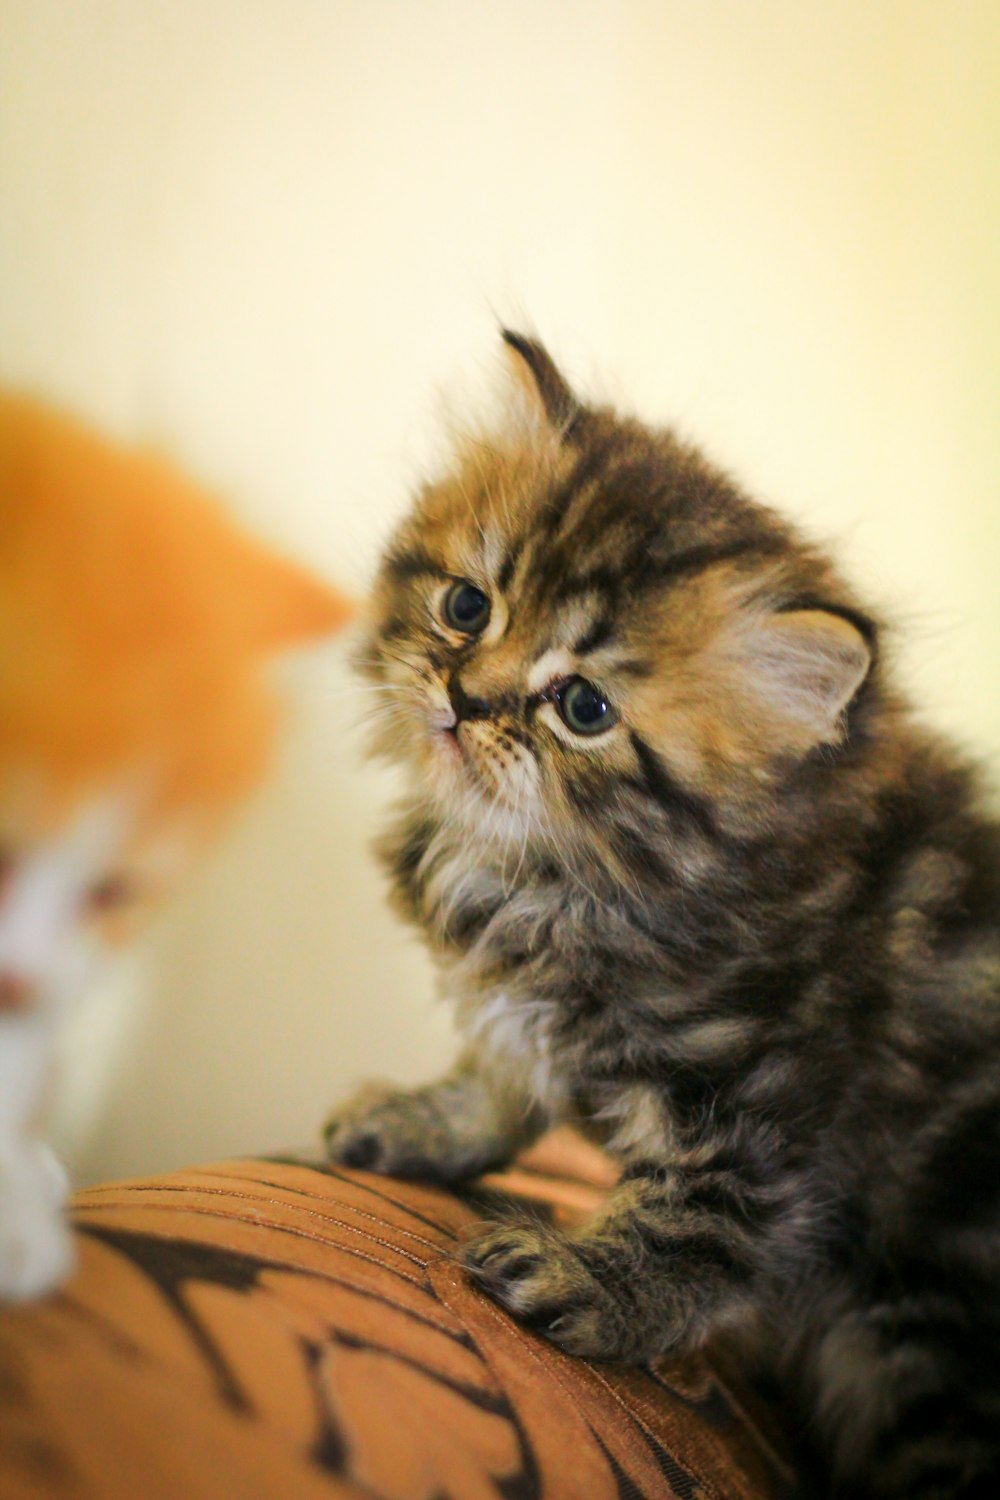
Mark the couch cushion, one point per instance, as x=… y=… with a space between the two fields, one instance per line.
x=269 y=1328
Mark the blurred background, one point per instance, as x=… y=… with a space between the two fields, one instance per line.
x=266 y=233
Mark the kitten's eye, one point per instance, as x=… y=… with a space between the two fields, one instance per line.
x=109 y=894
x=584 y=708
x=466 y=609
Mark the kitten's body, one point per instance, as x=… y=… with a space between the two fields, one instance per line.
x=748 y=935
x=135 y=622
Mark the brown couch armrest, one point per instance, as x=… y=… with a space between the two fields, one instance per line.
x=265 y=1328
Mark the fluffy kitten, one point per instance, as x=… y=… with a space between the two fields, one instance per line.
x=134 y=625
x=698 y=883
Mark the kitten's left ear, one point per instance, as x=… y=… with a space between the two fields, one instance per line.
x=275 y=604
x=539 y=375
x=807 y=664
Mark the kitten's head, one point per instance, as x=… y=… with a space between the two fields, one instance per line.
x=134 y=624
x=585 y=634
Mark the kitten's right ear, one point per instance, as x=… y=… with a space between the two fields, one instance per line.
x=541 y=378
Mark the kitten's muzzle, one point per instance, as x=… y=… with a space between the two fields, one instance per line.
x=465 y=707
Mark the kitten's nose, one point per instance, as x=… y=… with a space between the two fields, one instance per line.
x=464 y=706
x=17 y=993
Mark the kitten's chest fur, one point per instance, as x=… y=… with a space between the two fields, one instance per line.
x=582 y=1001
x=518 y=1037
x=527 y=1041
x=543 y=976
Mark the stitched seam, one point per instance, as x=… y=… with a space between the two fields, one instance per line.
x=326 y=1171
x=312 y=1213
x=302 y=1234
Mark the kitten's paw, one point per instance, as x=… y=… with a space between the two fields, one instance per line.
x=401 y=1134
x=543 y=1279
x=36 y=1247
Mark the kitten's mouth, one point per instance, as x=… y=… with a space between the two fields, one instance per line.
x=458 y=754
x=447 y=738
x=445 y=734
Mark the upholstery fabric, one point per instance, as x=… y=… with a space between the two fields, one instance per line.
x=268 y=1328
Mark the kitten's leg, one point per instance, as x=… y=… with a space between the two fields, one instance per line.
x=906 y=1393
x=445 y=1131
x=674 y=1249
x=36 y=1251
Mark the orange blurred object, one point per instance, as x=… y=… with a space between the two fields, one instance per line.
x=134 y=616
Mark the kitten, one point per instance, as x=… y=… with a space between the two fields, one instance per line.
x=698 y=882
x=134 y=625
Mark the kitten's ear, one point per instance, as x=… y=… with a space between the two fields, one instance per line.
x=294 y=607
x=807 y=664
x=541 y=379
x=282 y=604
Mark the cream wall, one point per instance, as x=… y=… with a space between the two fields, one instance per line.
x=265 y=232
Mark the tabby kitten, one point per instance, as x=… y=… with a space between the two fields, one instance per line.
x=698 y=883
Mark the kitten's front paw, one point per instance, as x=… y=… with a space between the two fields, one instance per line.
x=36 y=1248
x=401 y=1134
x=543 y=1279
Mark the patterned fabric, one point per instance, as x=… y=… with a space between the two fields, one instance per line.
x=270 y=1329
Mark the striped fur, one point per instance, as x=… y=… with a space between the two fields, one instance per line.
x=748 y=935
